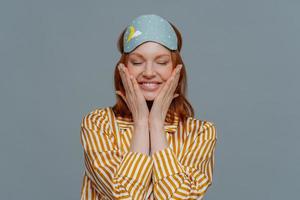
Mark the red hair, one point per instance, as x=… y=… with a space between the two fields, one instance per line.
x=180 y=105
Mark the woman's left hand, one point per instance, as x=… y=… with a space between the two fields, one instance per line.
x=163 y=100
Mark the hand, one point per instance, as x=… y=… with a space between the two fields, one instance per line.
x=134 y=98
x=163 y=100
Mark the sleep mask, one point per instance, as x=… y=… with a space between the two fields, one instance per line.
x=149 y=28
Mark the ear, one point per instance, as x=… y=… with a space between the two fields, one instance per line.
x=175 y=95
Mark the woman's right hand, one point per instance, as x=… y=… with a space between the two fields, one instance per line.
x=134 y=97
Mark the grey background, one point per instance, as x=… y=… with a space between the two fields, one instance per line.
x=57 y=60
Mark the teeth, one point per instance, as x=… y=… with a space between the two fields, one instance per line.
x=149 y=86
x=149 y=83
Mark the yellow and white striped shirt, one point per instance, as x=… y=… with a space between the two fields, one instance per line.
x=181 y=171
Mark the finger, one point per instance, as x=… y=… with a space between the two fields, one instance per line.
x=127 y=75
x=164 y=90
x=170 y=87
x=163 y=93
x=120 y=67
x=135 y=84
x=124 y=79
x=177 y=72
x=171 y=84
x=176 y=78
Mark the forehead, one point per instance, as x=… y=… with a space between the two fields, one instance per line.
x=150 y=49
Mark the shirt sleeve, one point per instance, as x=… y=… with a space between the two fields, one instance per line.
x=115 y=175
x=189 y=176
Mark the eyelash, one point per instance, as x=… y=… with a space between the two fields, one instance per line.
x=158 y=63
x=163 y=63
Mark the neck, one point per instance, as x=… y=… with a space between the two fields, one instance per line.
x=149 y=104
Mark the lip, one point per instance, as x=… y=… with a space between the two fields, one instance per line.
x=140 y=82
x=153 y=87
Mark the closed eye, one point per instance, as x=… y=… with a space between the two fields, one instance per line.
x=164 y=63
x=135 y=63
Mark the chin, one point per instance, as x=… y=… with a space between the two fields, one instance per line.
x=149 y=96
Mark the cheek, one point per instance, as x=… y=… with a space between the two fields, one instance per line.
x=166 y=74
x=132 y=71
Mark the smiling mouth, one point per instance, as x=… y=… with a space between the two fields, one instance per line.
x=149 y=86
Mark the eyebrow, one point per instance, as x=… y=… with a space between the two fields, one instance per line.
x=139 y=55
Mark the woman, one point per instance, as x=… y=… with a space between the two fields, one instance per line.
x=148 y=145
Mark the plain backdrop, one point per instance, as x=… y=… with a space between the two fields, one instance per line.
x=242 y=58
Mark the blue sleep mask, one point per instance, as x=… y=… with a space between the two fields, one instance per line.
x=149 y=28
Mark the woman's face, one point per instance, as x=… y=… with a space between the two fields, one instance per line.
x=151 y=65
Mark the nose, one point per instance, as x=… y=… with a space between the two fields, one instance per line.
x=148 y=71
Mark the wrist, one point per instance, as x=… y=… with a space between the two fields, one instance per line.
x=153 y=123
x=141 y=124
x=155 y=128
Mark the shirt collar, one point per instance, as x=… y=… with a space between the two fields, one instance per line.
x=169 y=127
